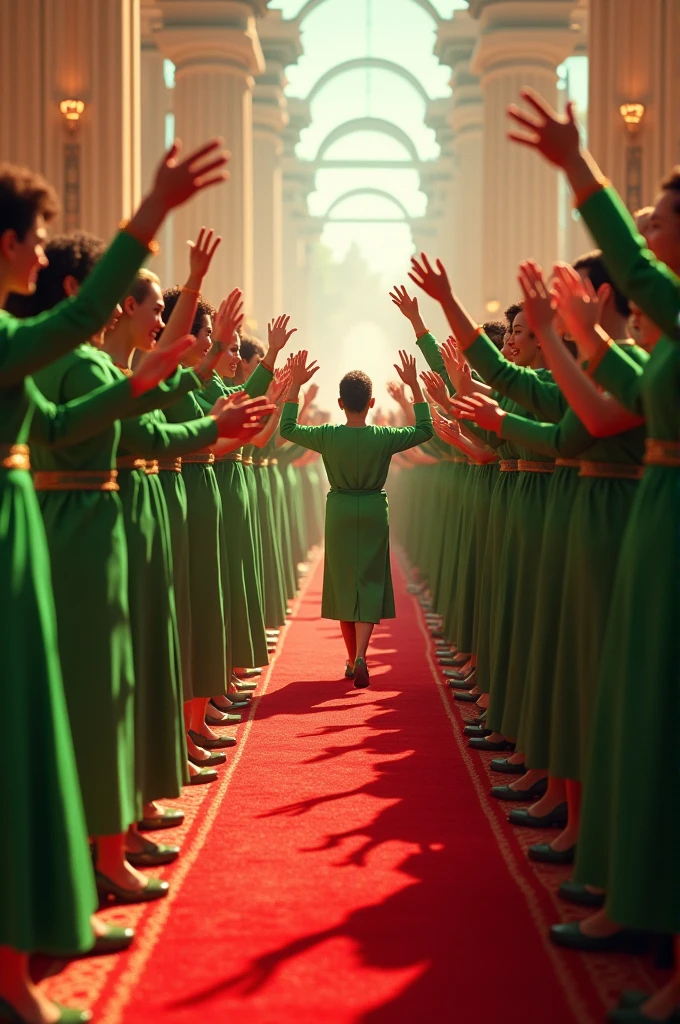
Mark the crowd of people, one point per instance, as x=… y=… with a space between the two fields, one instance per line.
x=151 y=540
x=153 y=535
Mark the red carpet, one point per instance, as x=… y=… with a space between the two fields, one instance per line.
x=349 y=866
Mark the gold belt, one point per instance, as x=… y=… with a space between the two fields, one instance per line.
x=273 y=462
x=525 y=466
x=170 y=465
x=203 y=458
x=248 y=461
x=231 y=457
x=77 y=480
x=662 y=453
x=152 y=468
x=508 y=465
x=567 y=464
x=130 y=462
x=15 y=456
x=262 y=463
x=612 y=470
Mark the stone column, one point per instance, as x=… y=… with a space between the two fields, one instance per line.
x=634 y=55
x=156 y=104
x=85 y=50
x=300 y=232
x=281 y=47
x=456 y=40
x=521 y=42
x=216 y=51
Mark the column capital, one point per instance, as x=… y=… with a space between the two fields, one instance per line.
x=211 y=34
x=457 y=38
x=150 y=20
x=281 y=47
x=515 y=34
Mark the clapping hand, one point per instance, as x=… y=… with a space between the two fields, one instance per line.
x=538 y=303
x=279 y=385
x=435 y=387
x=200 y=256
x=434 y=283
x=481 y=409
x=229 y=319
x=239 y=416
x=156 y=365
x=555 y=137
x=457 y=366
x=579 y=306
x=278 y=333
x=301 y=373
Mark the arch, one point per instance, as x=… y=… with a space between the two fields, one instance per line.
x=367 y=62
x=311 y=5
x=367 y=191
x=371 y=124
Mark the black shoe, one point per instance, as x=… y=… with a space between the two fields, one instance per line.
x=462 y=684
x=476 y=730
x=361 y=679
x=569 y=935
x=544 y=854
x=203 y=776
x=572 y=892
x=557 y=818
x=534 y=792
x=505 y=767
x=479 y=743
x=466 y=697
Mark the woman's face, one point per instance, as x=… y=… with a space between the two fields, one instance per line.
x=231 y=360
x=662 y=231
x=523 y=344
x=26 y=258
x=146 y=317
x=202 y=343
x=507 y=350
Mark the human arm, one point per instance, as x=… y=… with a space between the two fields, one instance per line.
x=278 y=336
x=568 y=438
x=426 y=342
x=396 y=391
x=451 y=434
x=182 y=317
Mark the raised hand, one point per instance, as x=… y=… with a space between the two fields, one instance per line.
x=481 y=409
x=158 y=364
x=435 y=387
x=239 y=416
x=457 y=366
x=396 y=392
x=301 y=373
x=177 y=180
x=434 y=282
x=229 y=319
x=404 y=303
x=279 y=385
x=201 y=253
x=408 y=372
x=278 y=333
x=310 y=394
x=538 y=304
x=579 y=306
x=554 y=136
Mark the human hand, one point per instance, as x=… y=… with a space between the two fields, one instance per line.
x=301 y=373
x=457 y=367
x=405 y=304
x=579 y=306
x=435 y=387
x=554 y=136
x=538 y=303
x=239 y=416
x=434 y=283
x=229 y=319
x=156 y=365
x=278 y=333
x=177 y=181
x=481 y=409
x=407 y=371
x=279 y=385
x=396 y=392
x=201 y=253
x=310 y=394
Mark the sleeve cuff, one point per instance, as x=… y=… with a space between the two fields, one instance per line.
x=594 y=363
x=467 y=342
x=584 y=194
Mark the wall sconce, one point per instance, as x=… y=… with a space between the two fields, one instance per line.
x=632 y=114
x=72 y=109
x=492 y=306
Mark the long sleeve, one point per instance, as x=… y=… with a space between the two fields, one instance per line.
x=403 y=438
x=168 y=391
x=27 y=345
x=306 y=437
x=622 y=375
x=565 y=439
x=428 y=346
x=258 y=382
x=636 y=271
x=146 y=437
x=541 y=397
x=80 y=419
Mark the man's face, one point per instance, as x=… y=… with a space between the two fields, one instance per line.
x=25 y=258
x=662 y=231
x=146 y=317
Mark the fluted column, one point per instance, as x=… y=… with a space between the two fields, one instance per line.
x=216 y=51
x=300 y=232
x=437 y=178
x=156 y=104
x=634 y=55
x=521 y=43
x=281 y=47
x=456 y=40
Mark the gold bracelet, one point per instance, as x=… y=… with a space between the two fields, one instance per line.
x=153 y=246
x=190 y=291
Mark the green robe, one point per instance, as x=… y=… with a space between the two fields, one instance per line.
x=630 y=828
x=275 y=596
x=357 y=583
x=282 y=526
x=45 y=902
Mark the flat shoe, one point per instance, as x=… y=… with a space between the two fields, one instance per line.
x=154 y=889
x=569 y=935
x=361 y=679
x=208 y=743
x=482 y=743
x=227 y=719
x=467 y=697
x=572 y=892
x=462 y=684
x=152 y=856
x=8 y=1015
x=505 y=767
x=168 y=819
x=634 y=1015
x=476 y=730
x=245 y=688
x=203 y=776
x=349 y=671
x=534 y=792
x=557 y=818
x=544 y=854
x=115 y=941
x=217 y=757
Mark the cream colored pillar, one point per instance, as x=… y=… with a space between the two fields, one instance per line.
x=521 y=42
x=215 y=49
x=456 y=40
x=281 y=47
x=156 y=104
x=634 y=52
x=298 y=236
x=95 y=164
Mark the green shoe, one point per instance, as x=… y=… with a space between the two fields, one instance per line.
x=572 y=892
x=216 y=757
x=115 y=941
x=8 y=1015
x=349 y=671
x=634 y=1015
x=203 y=776
x=168 y=819
x=534 y=792
x=208 y=743
x=154 y=889
x=226 y=719
x=361 y=680
x=152 y=855
x=557 y=818
x=569 y=935
x=543 y=853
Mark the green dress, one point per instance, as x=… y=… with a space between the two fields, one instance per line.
x=175 y=494
x=357 y=584
x=282 y=523
x=275 y=595
x=296 y=509
x=45 y=901
x=208 y=580
x=246 y=638
x=248 y=453
x=630 y=829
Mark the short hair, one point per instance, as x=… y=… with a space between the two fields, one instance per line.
x=250 y=347
x=495 y=331
x=671 y=183
x=73 y=255
x=203 y=308
x=356 y=390
x=24 y=195
x=511 y=312
x=594 y=266
x=140 y=289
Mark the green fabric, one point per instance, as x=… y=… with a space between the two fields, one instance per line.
x=468 y=596
x=282 y=528
x=174 y=492
x=534 y=390
x=357 y=578
x=275 y=592
x=428 y=346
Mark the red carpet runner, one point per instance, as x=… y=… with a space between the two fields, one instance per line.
x=349 y=867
